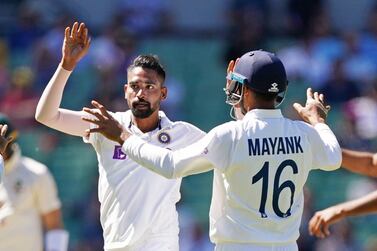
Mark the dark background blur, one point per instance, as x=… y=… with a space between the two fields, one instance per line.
x=330 y=45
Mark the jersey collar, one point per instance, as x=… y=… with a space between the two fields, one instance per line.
x=165 y=123
x=264 y=113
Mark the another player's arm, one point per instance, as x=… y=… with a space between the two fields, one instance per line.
x=48 y=112
x=320 y=222
x=360 y=162
x=55 y=235
x=170 y=164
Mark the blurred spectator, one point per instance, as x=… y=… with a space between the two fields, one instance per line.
x=4 y=68
x=301 y=14
x=362 y=112
x=19 y=100
x=48 y=51
x=146 y=18
x=310 y=59
x=27 y=29
x=338 y=88
x=368 y=40
x=247 y=28
x=358 y=66
x=111 y=52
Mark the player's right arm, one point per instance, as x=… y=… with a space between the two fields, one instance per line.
x=320 y=222
x=48 y=112
x=360 y=162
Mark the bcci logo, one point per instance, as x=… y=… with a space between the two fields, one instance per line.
x=274 y=88
x=164 y=138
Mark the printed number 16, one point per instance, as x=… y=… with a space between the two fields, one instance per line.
x=263 y=174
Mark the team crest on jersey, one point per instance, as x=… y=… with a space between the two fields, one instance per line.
x=164 y=138
x=18 y=186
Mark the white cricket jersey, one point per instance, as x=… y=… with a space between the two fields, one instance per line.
x=261 y=165
x=137 y=204
x=27 y=192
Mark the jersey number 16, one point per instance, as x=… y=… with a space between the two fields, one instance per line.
x=263 y=174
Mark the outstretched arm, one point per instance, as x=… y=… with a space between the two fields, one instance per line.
x=360 y=162
x=190 y=160
x=320 y=222
x=48 y=112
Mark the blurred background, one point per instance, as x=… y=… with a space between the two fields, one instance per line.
x=330 y=45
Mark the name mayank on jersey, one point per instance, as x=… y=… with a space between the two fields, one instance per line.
x=275 y=145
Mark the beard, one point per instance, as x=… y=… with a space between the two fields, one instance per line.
x=142 y=109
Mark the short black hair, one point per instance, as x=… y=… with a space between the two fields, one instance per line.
x=150 y=62
x=266 y=97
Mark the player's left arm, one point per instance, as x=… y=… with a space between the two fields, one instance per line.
x=320 y=222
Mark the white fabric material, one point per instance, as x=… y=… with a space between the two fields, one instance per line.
x=137 y=204
x=256 y=247
x=49 y=112
x=260 y=162
x=27 y=191
x=57 y=240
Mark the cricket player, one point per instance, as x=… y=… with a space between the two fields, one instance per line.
x=138 y=211
x=260 y=163
x=364 y=163
x=30 y=215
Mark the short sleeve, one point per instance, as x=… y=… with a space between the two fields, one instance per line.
x=46 y=193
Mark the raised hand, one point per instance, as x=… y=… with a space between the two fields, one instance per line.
x=315 y=110
x=106 y=124
x=75 y=46
x=4 y=141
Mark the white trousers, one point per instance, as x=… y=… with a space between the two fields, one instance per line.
x=256 y=247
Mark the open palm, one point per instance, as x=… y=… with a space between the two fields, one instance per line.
x=75 y=46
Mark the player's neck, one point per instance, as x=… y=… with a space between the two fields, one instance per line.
x=147 y=124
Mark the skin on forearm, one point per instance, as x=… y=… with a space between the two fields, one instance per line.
x=52 y=220
x=364 y=205
x=360 y=162
x=67 y=65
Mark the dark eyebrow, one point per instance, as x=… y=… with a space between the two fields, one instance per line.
x=146 y=82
